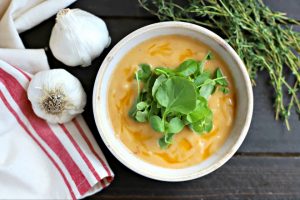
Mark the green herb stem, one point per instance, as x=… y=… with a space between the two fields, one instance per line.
x=212 y=80
x=138 y=86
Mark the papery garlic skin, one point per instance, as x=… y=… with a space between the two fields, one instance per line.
x=78 y=37
x=56 y=95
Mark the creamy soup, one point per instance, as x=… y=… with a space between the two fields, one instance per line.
x=188 y=148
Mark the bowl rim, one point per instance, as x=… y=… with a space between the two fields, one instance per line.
x=220 y=41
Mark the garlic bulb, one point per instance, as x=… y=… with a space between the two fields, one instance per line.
x=78 y=37
x=56 y=95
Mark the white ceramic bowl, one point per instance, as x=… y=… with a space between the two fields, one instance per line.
x=244 y=102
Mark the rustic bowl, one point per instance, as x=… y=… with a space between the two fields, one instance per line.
x=243 y=112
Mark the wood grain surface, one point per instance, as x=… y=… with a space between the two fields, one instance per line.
x=267 y=166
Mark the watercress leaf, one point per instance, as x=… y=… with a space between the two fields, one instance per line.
x=225 y=90
x=141 y=116
x=156 y=123
x=197 y=127
x=169 y=137
x=201 y=63
x=187 y=68
x=141 y=105
x=165 y=141
x=202 y=101
x=207 y=89
x=144 y=72
x=162 y=143
x=175 y=125
x=219 y=75
x=163 y=70
x=199 y=80
x=208 y=125
x=132 y=111
x=202 y=126
x=162 y=78
x=177 y=94
x=200 y=112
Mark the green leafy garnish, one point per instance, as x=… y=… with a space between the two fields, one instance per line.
x=141 y=116
x=219 y=76
x=165 y=141
x=162 y=78
x=207 y=88
x=177 y=94
x=141 y=105
x=157 y=124
x=175 y=125
x=144 y=73
x=199 y=80
x=171 y=99
x=187 y=68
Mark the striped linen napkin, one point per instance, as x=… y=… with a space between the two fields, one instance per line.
x=39 y=160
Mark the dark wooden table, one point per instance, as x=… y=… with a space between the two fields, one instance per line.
x=267 y=166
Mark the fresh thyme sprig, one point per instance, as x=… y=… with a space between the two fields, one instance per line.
x=264 y=40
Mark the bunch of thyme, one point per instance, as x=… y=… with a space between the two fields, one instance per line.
x=264 y=40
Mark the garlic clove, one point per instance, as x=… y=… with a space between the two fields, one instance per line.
x=78 y=37
x=56 y=95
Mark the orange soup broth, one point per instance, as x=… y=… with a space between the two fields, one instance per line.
x=188 y=148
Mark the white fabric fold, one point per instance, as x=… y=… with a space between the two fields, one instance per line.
x=30 y=60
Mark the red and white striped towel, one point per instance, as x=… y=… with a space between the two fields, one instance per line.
x=39 y=160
